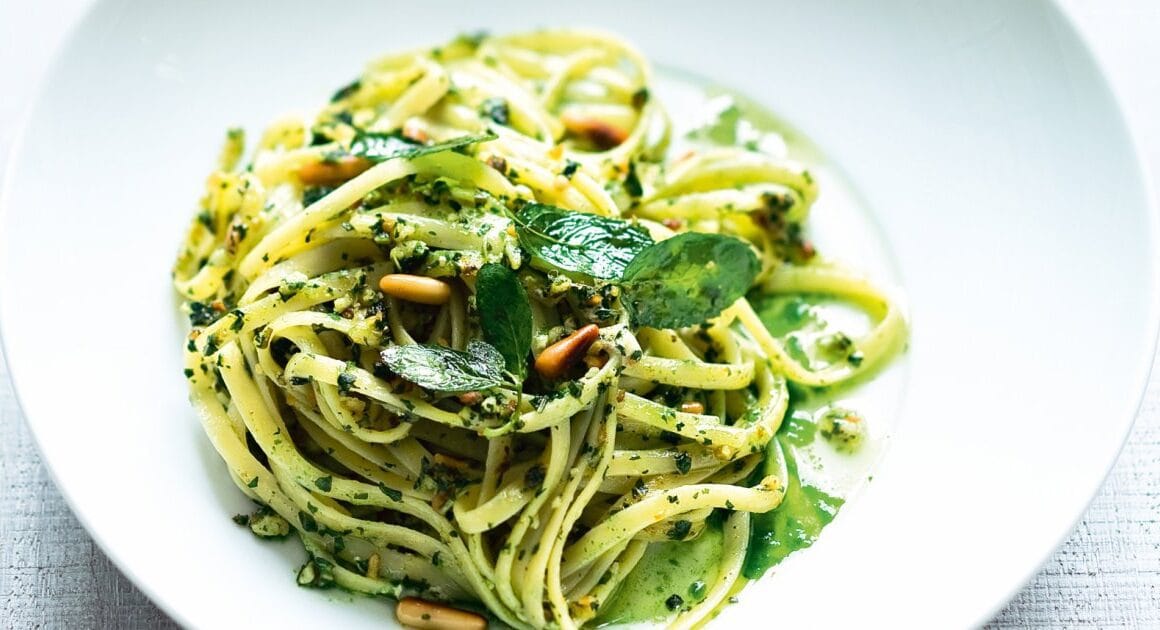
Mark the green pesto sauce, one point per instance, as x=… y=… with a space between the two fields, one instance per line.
x=799 y=321
x=788 y=317
x=798 y=429
x=798 y=521
x=666 y=569
x=784 y=314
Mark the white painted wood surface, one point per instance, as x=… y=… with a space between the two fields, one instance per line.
x=1107 y=574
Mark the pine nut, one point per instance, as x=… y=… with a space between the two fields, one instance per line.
x=601 y=134
x=425 y=615
x=555 y=361
x=451 y=462
x=414 y=131
x=419 y=289
x=596 y=360
x=470 y=399
x=373 y=564
x=692 y=406
x=333 y=172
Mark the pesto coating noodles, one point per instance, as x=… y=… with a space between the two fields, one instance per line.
x=534 y=490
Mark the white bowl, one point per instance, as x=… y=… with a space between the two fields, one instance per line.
x=982 y=135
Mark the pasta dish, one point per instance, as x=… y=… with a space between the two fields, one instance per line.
x=488 y=337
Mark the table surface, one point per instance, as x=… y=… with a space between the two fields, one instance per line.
x=1107 y=574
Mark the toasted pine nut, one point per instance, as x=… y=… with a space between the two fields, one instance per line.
x=470 y=399
x=425 y=615
x=373 y=564
x=724 y=452
x=451 y=462
x=415 y=131
x=596 y=360
x=692 y=406
x=604 y=135
x=419 y=289
x=557 y=358
x=334 y=172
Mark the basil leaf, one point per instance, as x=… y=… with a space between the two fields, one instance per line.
x=446 y=370
x=505 y=315
x=687 y=279
x=380 y=147
x=579 y=242
x=486 y=358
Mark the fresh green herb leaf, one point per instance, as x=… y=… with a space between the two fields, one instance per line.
x=323 y=483
x=579 y=242
x=380 y=147
x=488 y=359
x=505 y=314
x=688 y=279
x=446 y=370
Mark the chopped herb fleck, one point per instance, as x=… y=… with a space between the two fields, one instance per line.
x=679 y=530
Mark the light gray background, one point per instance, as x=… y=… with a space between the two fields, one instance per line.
x=1107 y=574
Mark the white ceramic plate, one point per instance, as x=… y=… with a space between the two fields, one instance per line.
x=981 y=133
